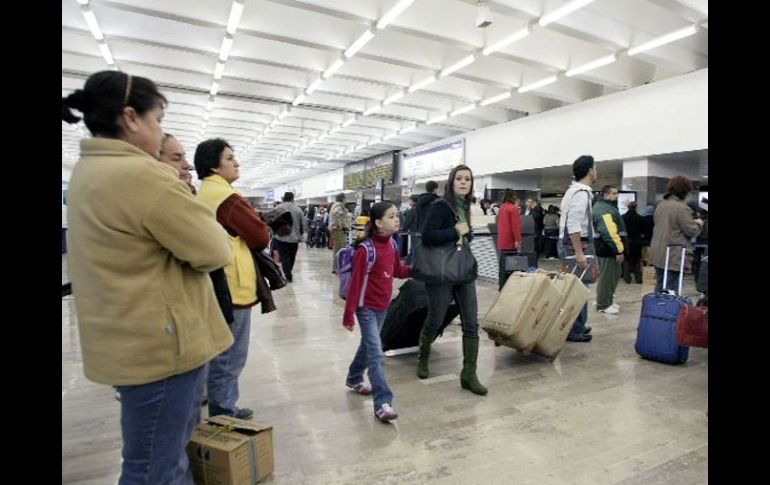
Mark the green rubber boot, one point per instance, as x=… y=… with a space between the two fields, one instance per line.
x=468 y=379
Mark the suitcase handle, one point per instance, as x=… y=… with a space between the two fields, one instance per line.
x=681 y=266
x=588 y=256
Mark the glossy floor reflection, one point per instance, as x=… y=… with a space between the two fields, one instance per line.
x=597 y=415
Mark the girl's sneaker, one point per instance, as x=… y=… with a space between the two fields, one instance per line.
x=385 y=413
x=361 y=388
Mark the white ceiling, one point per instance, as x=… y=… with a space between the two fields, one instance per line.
x=280 y=47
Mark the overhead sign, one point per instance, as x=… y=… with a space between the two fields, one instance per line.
x=367 y=173
x=435 y=160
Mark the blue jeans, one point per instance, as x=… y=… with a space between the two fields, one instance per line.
x=439 y=297
x=226 y=367
x=580 y=322
x=672 y=280
x=157 y=420
x=370 y=356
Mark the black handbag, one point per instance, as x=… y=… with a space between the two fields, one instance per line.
x=445 y=265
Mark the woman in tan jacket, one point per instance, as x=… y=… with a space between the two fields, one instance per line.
x=674 y=224
x=141 y=248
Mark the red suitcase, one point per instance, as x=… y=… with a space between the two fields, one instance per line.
x=693 y=329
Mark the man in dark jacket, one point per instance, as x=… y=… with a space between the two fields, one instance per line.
x=609 y=248
x=421 y=209
x=538 y=215
x=636 y=226
x=410 y=215
x=423 y=204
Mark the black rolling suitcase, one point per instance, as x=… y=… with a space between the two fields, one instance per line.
x=406 y=316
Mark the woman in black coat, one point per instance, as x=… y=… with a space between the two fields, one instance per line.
x=448 y=223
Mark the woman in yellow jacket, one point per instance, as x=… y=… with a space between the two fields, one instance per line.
x=217 y=167
x=141 y=248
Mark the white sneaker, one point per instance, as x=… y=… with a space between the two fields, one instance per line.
x=615 y=306
x=610 y=310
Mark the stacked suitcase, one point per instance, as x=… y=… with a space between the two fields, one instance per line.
x=535 y=312
x=573 y=297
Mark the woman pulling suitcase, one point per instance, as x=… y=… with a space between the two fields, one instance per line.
x=448 y=224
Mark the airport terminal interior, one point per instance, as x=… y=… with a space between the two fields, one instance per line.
x=335 y=113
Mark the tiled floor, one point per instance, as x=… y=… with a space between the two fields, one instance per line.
x=597 y=415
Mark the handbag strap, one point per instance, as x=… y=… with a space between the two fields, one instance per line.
x=589 y=216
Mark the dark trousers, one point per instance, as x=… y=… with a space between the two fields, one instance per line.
x=633 y=263
x=439 y=297
x=288 y=253
x=502 y=274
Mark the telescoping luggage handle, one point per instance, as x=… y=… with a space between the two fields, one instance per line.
x=588 y=256
x=681 y=266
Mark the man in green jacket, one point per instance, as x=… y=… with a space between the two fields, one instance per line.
x=609 y=248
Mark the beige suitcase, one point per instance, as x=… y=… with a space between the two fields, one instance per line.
x=517 y=318
x=561 y=317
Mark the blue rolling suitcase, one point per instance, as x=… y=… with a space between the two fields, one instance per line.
x=656 y=336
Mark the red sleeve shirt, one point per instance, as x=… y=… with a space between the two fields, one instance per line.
x=240 y=219
x=508 y=227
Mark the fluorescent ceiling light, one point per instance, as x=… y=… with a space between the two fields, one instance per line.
x=209 y=106
x=83 y=2
x=299 y=99
x=464 y=109
x=361 y=146
x=359 y=43
x=393 y=98
x=664 y=39
x=214 y=88
x=349 y=122
x=393 y=13
x=505 y=41
x=93 y=25
x=423 y=83
x=436 y=119
x=373 y=109
x=219 y=69
x=408 y=129
x=314 y=85
x=235 y=17
x=227 y=44
x=283 y=114
x=458 y=65
x=332 y=69
x=106 y=54
x=538 y=84
x=562 y=11
x=495 y=99
x=602 y=61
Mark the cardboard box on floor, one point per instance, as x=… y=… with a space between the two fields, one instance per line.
x=230 y=451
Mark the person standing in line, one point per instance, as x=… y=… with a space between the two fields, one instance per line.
x=140 y=259
x=576 y=231
x=217 y=167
